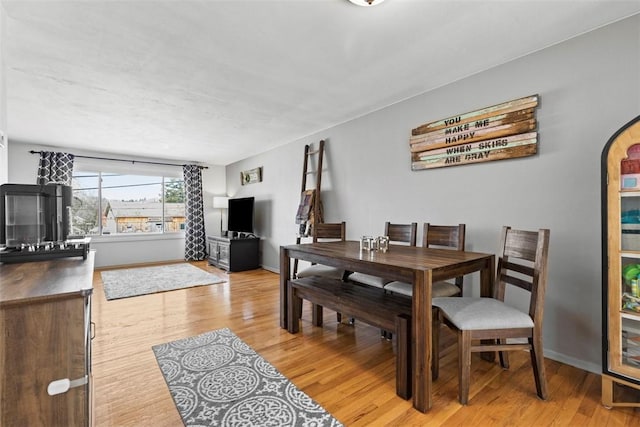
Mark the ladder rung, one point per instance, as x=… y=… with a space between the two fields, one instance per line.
x=311 y=172
x=313 y=152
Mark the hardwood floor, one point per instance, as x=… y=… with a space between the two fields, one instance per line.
x=348 y=370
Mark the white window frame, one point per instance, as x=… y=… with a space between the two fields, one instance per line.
x=126 y=168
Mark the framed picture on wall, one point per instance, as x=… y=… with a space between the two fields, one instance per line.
x=251 y=176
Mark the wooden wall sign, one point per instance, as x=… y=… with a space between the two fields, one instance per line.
x=503 y=131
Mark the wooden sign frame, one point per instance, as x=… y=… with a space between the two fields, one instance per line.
x=251 y=176
x=502 y=131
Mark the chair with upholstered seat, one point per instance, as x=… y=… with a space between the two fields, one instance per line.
x=489 y=322
x=442 y=236
x=326 y=232
x=397 y=233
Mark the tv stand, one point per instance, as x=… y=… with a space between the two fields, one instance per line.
x=238 y=235
x=234 y=254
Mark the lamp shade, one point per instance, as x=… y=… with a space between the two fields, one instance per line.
x=220 y=202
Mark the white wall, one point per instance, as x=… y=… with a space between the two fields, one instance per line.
x=589 y=87
x=124 y=250
x=213 y=184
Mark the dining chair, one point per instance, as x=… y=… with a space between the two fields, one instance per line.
x=434 y=236
x=490 y=322
x=324 y=232
x=397 y=233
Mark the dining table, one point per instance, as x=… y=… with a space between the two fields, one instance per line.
x=419 y=266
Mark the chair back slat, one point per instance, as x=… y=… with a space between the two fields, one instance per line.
x=329 y=231
x=512 y=280
x=522 y=269
x=521 y=244
x=449 y=236
x=401 y=233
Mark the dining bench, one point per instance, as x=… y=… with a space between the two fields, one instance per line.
x=367 y=304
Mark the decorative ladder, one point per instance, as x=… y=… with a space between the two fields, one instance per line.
x=310 y=208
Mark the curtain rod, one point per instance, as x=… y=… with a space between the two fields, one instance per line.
x=123 y=160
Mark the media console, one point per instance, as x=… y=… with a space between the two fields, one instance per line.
x=234 y=254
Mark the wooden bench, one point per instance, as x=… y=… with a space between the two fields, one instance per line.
x=367 y=304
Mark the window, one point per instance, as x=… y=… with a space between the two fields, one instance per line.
x=107 y=203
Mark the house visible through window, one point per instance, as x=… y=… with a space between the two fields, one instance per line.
x=113 y=203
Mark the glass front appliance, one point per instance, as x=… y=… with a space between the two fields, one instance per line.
x=33 y=214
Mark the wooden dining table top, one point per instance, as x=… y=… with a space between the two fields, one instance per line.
x=398 y=263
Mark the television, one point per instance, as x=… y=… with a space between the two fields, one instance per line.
x=241 y=215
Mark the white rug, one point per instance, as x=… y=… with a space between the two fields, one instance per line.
x=216 y=379
x=131 y=282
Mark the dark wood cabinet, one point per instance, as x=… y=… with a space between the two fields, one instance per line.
x=234 y=254
x=45 y=350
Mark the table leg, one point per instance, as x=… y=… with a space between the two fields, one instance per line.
x=421 y=340
x=487 y=277
x=294 y=310
x=285 y=274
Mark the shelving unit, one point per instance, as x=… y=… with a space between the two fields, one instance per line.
x=620 y=256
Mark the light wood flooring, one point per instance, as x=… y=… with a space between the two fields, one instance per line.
x=348 y=370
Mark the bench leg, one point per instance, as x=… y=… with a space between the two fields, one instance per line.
x=350 y=321
x=403 y=358
x=294 y=313
x=316 y=314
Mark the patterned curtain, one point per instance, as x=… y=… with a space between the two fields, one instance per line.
x=195 y=238
x=55 y=168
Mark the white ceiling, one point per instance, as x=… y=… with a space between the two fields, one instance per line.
x=218 y=81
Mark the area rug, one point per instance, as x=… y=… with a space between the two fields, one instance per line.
x=216 y=379
x=130 y=282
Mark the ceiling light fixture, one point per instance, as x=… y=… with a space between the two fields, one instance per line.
x=366 y=3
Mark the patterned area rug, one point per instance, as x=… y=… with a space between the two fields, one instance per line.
x=216 y=379
x=131 y=282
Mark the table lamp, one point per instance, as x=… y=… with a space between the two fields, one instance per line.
x=220 y=202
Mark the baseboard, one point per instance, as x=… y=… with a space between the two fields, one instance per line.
x=271 y=269
x=572 y=361
x=139 y=264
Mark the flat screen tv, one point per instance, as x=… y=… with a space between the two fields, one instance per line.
x=241 y=215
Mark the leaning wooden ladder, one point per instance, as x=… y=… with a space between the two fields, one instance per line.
x=310 y=208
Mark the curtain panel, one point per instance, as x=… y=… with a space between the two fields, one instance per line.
x=55 y=168
x=195 y=237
